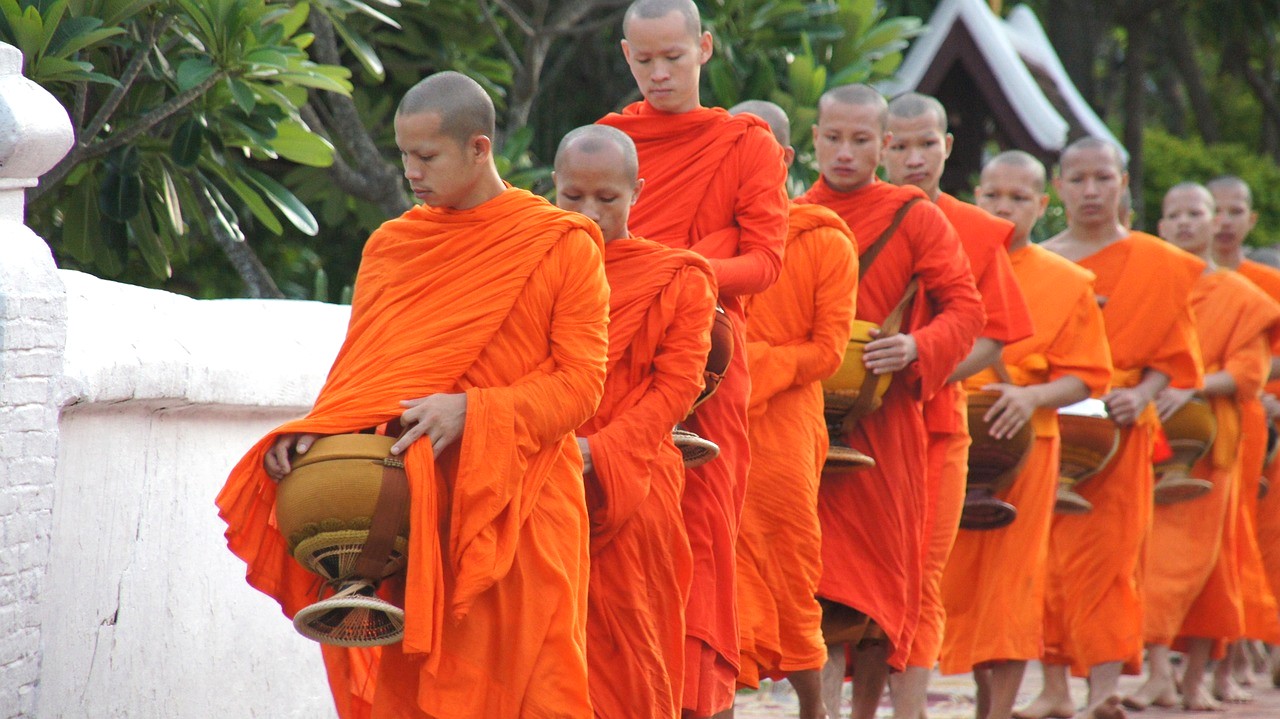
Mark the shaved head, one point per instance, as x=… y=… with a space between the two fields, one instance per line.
x=595 y=139
x=650 y=9
x=465 y=109
x=778 y=121
x=912 y=105
x=1022 y=161
x=1193 y=188
x=1086 y=144
x=1231 y=182
x=857 y=94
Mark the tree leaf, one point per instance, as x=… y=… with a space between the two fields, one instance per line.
x=297 y=143
x=242 y=94
x=359 y=47
x=172 y=202
x=80 y=221
x=193 y=71
x=188 y=143
x=148 y=243
x=120 y=195
x=288 y=203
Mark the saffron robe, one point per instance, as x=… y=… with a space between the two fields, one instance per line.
x=985 y=239
x=661 y=305
x=1192 y=578
x=495 y=588
x=993 y=588
x=873 y=521
x=715 y=184
x=1093 y=612
x=797 y=337
x=1260 y=600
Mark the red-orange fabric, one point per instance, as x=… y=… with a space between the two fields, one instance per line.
x=715 y=184
x=661 y=306
x=1095 y=559
x=985 y=238
x=495 y=592
x=873 y=521
x=797 y=337
x=993 y=587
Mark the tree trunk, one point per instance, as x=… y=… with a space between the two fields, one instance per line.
x=1183 y=53
x=1135 y=108
x=258 y=283
x=1074 y=27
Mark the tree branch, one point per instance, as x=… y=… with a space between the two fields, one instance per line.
x=127 y=78
x=508 y=49
x=1184 y=59
x=252 y=272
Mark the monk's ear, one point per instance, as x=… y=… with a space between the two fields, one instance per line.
x=626 y=50
x=635 y=191
x=480 y=146
x=788 y=155
x=1124 y=180
x=947 y=142
x=705 y=47
x=1044 y=204
x=1253 y=220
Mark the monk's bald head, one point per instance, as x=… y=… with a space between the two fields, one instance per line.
x=464 y=108
x=857 y=95
x=1091 y=145
x=650 y=9
x=1192 y=191
x=1233 y=184
x=1022 y=161
x=911 y=105
x=775 y=116
x=601 y=144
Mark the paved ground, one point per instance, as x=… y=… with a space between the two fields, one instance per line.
x=952 y=698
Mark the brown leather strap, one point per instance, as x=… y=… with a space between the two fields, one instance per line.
x=388 y=513
x=866 y=258
x=892 y=323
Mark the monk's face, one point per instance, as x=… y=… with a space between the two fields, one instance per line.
x=1187 y=219
x=1090 y=182
x=441 y=171
x=1015 y=194
x=1236 y=217
x=666 y=60
x=848 y=141
x=594 y=184
x=918 y=152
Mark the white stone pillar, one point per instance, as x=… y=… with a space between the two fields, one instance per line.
x=35 y=133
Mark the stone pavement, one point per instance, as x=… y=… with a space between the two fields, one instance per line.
x=952 y=698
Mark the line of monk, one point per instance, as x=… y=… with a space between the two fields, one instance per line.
x=531 y=360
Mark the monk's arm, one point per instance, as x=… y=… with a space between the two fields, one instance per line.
x=760 y=210
x=984 y=353
x=1275 y=368
x=834 y=303
x=1017 y=404
x=567 y=388
x=678 y=364
x=1126 y=404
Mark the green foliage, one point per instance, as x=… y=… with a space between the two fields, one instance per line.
x=1170 y=160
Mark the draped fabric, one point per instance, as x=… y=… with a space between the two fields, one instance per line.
x=873 y=521
x=993 y=587
x=506 y=302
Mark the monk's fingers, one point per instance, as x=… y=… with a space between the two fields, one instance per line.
x=276 y=461
x=412 y=402
x=413 y=430
x=304 y=443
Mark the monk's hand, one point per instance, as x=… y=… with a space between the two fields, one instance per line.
x=585 y=448
x=1272 y=406
x=439 y=417
x=884 y=355
x=1125 y=405
x=1171 y=399
x=276 y=461
x=1013 y=410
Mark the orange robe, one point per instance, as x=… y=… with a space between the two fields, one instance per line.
x=495 y=590
x=873 y=521
x=1093 y=612
x=1192 y=578
x=1233 y=320
x=993 y=588
x=985 y=238
x=661 y=305
x=797 y=337
x=1264 y=514
x=714 y=183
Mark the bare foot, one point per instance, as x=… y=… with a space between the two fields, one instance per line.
x=1203 y=701
x=1230 y=692
x=1043 y=707
x=1108 y=708
x=1157 y=691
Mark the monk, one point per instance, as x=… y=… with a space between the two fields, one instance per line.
x=917 y=155
x=715 y=185
x=993 y=587
x=660 y=310
x=1192 y=581
x=478 y=324
x=797 y=337
x=872 y=555
x=1258 y=521
x=1094 y=605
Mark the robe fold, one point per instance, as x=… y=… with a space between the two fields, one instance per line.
x=1192 y=577
x=993 y=588
x=1093 y=612
x=661 y=306
x=873 y=520
x=495 y=588
x=715 y=183
x=984 y=238
x=797 y=337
